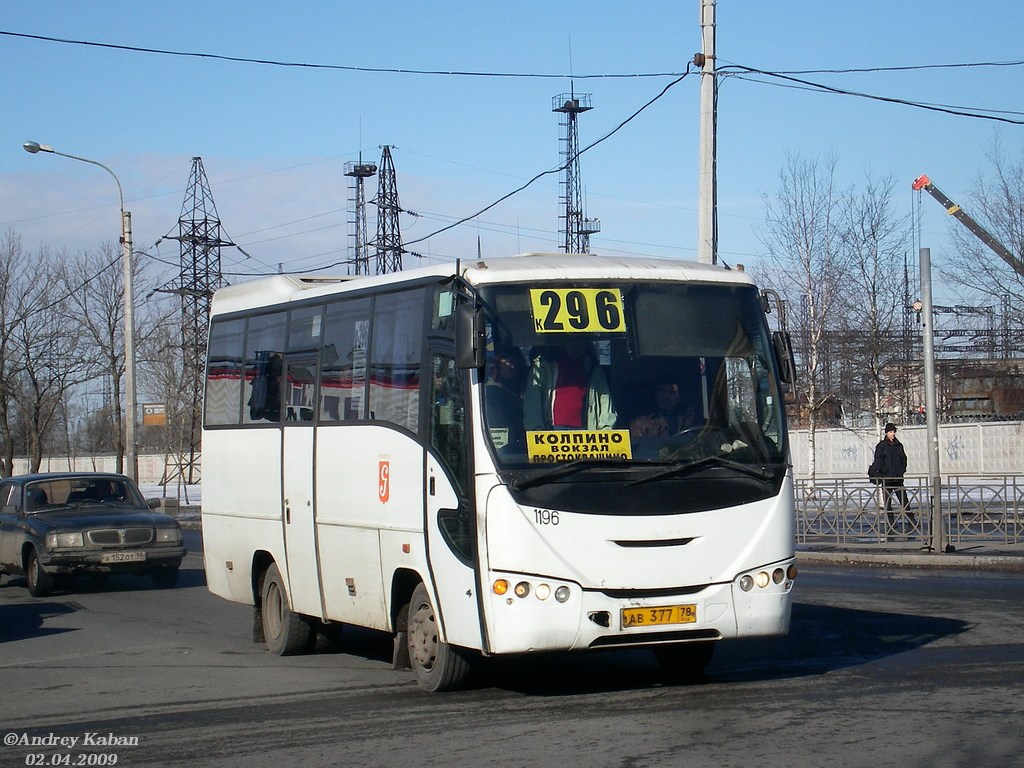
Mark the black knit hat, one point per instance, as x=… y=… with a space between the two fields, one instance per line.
x=890 y=427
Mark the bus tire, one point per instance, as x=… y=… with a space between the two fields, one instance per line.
x=285 y=632
x=684 y=662
x=437 y=665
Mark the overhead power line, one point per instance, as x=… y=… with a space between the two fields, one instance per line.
x=470 y=73
x=341 y=67
x=957 y=111
x=903 y=68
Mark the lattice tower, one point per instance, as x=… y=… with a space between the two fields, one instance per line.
x=389 y=233
x=200 y=238
x=575 y=227
x=359 y=260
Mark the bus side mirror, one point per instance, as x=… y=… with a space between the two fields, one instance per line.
x=469 y=337
x=784 y=356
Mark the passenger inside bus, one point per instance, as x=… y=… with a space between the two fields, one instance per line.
x=265 y=398
x=566 y=389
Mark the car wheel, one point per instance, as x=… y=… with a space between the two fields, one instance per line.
x=40 y=583
x=165 y=578
x=285 y=632
x=685 y=662
x=438 y=666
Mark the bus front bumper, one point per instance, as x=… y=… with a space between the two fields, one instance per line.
x=528 y=616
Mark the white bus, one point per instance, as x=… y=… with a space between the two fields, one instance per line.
x=540 y=453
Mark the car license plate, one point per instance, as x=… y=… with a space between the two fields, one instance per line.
x=123 y=557
x=656 y=615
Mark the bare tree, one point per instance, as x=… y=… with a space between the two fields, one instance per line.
x=875 y=241
x=808 y=265
x=50 y=355
x=13 y=268
x=170 y=378
x=95 y=285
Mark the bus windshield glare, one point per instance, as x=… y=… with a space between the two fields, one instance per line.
x=635 y=372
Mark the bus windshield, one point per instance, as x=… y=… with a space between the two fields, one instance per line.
x=638 y=373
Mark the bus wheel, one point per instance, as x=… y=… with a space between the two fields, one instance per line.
x=685 y=662
x=286 y=633
x=438 y=666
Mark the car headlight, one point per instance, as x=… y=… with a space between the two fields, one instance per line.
x=168 y=535
x=57 y=540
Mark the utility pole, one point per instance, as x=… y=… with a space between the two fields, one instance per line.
x=707 y=214
x=930 y=404
x=131 y=406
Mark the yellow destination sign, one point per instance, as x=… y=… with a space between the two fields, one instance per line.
x=577 y=310
x=551 y=446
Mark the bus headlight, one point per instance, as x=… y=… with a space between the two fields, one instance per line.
x=562 y=594
x=522 y=589
x=499 y=587
x=746 y=583
x=543 y=592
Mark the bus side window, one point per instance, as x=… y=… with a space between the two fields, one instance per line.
x=344 y=360
x=395 y=349
x=224 y=373
x=264 y=345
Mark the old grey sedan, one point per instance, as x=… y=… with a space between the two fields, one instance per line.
x=56 y=525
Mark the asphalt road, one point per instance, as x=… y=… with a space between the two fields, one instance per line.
x=882 y=667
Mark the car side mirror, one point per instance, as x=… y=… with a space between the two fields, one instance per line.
x=153 y=503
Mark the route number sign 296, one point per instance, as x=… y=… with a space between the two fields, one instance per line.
x=577 y=310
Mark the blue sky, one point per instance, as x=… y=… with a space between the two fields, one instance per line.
x=274 y=140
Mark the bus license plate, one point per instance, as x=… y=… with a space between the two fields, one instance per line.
x=655 y=615
x=123 y=557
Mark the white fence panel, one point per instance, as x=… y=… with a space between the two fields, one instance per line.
x=995 y=448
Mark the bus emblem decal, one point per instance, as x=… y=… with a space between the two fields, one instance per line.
x=383 y=481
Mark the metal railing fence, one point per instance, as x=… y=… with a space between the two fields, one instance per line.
x=849 y=511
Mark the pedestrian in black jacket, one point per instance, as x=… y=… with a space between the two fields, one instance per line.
x=890 y=465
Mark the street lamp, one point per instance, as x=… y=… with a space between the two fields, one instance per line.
x=131 y=449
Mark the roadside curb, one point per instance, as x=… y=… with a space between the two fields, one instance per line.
x=979 y=562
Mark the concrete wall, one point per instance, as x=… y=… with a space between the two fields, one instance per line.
x=995 y=448
x=151 y=466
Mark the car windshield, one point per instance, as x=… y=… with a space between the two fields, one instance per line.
x=75 y=491
x=647 y=373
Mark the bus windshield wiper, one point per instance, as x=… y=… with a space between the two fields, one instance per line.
x=563 y=469
x=760 y=472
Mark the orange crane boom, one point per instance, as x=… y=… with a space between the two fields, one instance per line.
x=923 y=182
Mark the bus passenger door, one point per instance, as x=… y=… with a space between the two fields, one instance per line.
x=298 y=443
x=450 y=516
